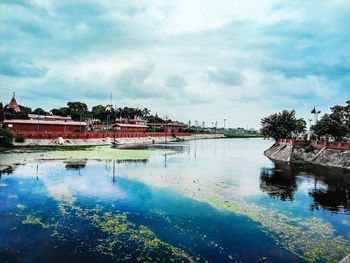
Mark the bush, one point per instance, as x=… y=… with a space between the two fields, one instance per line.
x=19 y=138
x=5 y=138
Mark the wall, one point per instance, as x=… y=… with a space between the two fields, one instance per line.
x=23 y=128
x=321 y=156
x=315 y=144
x=95 y=135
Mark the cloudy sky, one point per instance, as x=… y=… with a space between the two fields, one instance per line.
x=191 y=60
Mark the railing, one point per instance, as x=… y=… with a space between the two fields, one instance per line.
x=315 y=144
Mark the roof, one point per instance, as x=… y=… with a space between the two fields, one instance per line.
x=167 y=124
x=13 y=104
x=52 y=117
x=130 y=125
x=44 y=122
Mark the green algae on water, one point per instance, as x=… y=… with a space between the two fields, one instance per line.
x=105 y=153
x=121 y=239
x=311 y=238
x=33 y=220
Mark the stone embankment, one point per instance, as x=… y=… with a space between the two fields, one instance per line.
x=345 y=260
x=108 y=140
x=309 y=154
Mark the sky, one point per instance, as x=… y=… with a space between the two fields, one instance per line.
x=188 y=59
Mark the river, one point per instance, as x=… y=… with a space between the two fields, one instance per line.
x=199 y=201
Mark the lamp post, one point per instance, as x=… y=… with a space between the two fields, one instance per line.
x=224 y=124
x=309 y=134
x=165 y=129
x=315 y=113
x=38 y=120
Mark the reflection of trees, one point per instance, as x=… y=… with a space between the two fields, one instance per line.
x=279 y=182
x=336 y=195
x=75 y=164
x=330 y=190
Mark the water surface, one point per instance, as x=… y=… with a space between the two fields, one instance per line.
x=206 y=200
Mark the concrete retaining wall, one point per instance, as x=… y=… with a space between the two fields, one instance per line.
x=109 y=140
x=308 y=154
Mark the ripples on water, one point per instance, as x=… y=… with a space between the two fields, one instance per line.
x=210 y=200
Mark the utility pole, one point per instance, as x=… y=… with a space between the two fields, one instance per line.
x=165 y=128
x=195 y=129
x=80 y=120
x=224 y=124
x=38 y=121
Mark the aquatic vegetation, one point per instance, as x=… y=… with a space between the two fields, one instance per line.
x=122 y=239
x=34 y=220
x=105 y=153
x=24 y=155
x=310 y=238
x=122 y=233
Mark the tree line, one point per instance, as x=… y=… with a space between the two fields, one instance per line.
x=80 y=111
x=285 y=124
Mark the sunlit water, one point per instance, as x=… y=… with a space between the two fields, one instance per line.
x=210 y=200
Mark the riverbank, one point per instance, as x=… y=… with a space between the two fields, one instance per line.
x=108 y=140
x=309 y=154
x=85 y=149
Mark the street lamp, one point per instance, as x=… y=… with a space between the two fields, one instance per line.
x=309 y=134
x=315 y=113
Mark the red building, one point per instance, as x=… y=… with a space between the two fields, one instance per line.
x=45 y=124
x=170 y=126
x=129 y=127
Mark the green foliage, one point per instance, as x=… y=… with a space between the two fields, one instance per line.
x=19 y=138
x=12 y=114
x=40 y=111
x=331 y=125
x=282 y=125
x=63 y=111
x=77 y=110
x=5 y=138
x=1 y=111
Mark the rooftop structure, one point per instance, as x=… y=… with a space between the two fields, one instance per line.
x=169 y=126
x=50 y=117
x=130 y=127
x=13 y=104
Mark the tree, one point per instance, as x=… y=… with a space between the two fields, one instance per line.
x=331 y=125
x=102 y=112
x=5 y=138
x=40 y=111
x=1 y=111
x=282 y=125
x=12 y=114
x=63 y=111
x=76 y=109
x=344 y=112
x=145 y=112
